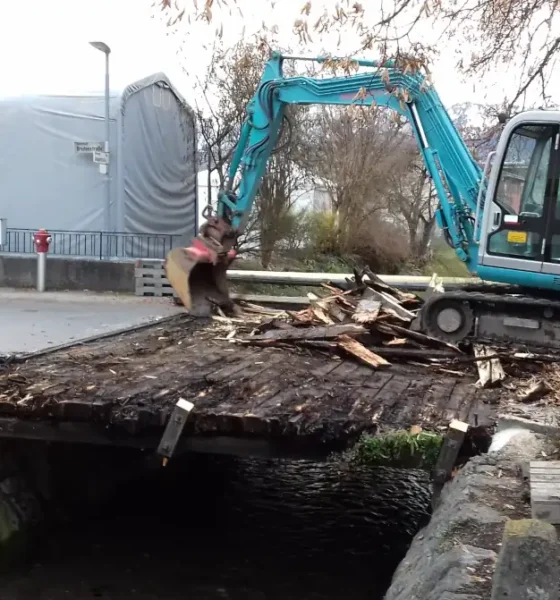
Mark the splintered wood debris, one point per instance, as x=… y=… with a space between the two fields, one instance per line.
x=374 y=323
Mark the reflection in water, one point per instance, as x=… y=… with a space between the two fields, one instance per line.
x=217 y=527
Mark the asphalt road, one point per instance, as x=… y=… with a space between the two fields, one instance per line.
x=30 y=321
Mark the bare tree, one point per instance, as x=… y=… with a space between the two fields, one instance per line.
x=350 y=154
x=230 y=83
x=356 y=156
x=412 y=198
x=479 y=126
x=521 y=32
x=229 y=86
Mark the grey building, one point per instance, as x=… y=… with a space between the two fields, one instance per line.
x=48 y=177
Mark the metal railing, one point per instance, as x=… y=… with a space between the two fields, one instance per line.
x=95 y=244
x=413 y=283
x=297 y=278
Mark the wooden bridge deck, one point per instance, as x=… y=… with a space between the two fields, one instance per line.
x=132 y=381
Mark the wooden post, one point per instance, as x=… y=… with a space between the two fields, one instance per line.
x=545 y=490
x=174 y=428
x=447 y=457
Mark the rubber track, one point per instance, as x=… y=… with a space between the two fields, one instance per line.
x=492 y=300
x=482 y=298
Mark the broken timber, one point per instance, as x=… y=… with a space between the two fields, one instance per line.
x=316 y=333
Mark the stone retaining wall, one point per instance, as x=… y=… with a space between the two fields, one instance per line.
x=21 y=506
x=454 y=557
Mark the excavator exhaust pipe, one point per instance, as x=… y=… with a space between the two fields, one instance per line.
x=199 y=277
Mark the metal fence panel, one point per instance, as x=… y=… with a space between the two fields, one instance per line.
x=95 y=244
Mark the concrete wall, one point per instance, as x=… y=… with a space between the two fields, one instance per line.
x=68 y=274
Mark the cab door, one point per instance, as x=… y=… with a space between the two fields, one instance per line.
x=526 y=192
x=551 y=259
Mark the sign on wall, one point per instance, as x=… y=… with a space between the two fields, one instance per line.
x=101 y=158
x=89 y=147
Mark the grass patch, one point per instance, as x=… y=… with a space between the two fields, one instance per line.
x=446 y=263
x=397 y=449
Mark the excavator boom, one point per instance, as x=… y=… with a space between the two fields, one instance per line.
x=198 y=273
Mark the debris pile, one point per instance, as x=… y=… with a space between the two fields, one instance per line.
x=375 y=324
x=371 y=321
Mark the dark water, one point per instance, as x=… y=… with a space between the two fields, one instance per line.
x=219 y=527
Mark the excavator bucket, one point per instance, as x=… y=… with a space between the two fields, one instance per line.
x=199 y=282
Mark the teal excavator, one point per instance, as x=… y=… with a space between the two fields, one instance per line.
x=503 y=220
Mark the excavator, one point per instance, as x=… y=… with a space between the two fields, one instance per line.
x=502 y=219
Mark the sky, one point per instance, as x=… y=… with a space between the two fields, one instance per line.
x=44 y=45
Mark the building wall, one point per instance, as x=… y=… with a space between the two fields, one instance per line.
x=45 y=183
x=311 y=197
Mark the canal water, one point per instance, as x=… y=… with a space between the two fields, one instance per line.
x=209 y=527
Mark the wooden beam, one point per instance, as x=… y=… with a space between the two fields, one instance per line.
x=389 y=302
x=99 y=435
x=310 y=333
x=448 y=456
x=362 y=353
x=544 y=480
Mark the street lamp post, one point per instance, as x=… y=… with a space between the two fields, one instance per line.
x=102 y=47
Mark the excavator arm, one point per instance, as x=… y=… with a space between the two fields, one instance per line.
x=198 y=273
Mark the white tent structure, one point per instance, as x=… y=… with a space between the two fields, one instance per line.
x=47 y=181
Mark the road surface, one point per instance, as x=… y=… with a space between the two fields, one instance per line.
x=30 y=321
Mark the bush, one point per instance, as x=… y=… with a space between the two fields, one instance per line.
x=397 y=449
x=380 y=245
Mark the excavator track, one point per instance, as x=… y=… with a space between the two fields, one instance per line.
x=494 y=317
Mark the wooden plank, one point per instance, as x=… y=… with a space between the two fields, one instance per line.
x=389 y=396
x=490 y=371
x=362 y=353
x=480 y=413
x=282 y=399
x=225 y=373
x=150 y=284
x=324 y=369
x=366 y=311
x=420 y=404
x=421 y=338
x=310 y=333
x=552 y=478
x=544 y=481
x=344 y=371
x=448 y=456
x=460 y=397
x=377 y=381
x=149 y=273
x=390 y=303
x=547 y=467
x=365 y=399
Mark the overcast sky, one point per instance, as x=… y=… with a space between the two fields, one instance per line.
x=45 y=50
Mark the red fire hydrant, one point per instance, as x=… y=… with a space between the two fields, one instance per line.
x=41 y=240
